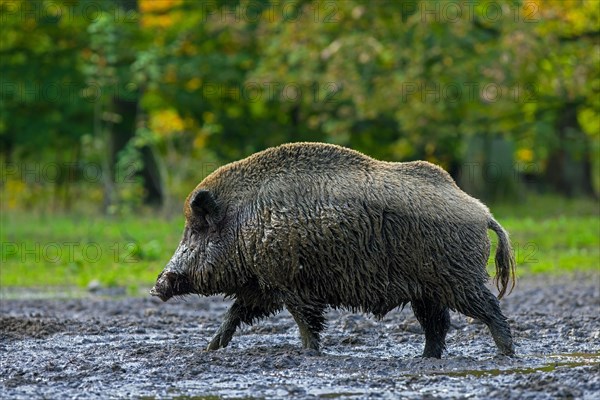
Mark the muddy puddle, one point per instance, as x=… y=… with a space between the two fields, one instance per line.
x=99 y=346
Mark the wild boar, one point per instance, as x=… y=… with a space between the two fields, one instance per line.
x=308 y=226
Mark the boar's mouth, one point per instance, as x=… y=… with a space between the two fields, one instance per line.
x=154 y=292
x=170 y=284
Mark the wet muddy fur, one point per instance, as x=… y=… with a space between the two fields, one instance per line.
x=309 y=226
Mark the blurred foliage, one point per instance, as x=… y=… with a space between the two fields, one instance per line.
x=482 y=88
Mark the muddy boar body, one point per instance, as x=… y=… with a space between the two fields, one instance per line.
x=308 y=226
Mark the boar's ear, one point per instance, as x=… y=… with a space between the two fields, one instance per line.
x=203 y=205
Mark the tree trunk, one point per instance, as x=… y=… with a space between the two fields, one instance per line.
x=124 y=131
x=569 y=166
x=487 y=171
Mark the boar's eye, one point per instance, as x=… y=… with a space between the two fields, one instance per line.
x=205 y=207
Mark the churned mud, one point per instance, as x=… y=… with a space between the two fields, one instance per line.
x=107 y=347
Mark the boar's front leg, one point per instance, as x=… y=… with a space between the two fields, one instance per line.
x=241 y=312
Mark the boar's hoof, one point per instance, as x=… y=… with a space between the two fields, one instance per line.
x=508 y=351
x=431 y=355
x=220 y=340
x=433 y=350
x=213 y=345
x=310 y=341
x=311 y=352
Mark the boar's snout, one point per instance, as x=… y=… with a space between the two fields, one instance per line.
x=174 y=280
x=171 y=284
x=163 y=288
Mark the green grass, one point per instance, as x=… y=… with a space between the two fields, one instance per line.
x=548 y=234
x=75 y=250
x=552 y=234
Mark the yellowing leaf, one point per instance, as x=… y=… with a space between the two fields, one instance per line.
x=159 y=13
x=148 y=6
x=524 y=155
x=193 y=84
x=166 y=122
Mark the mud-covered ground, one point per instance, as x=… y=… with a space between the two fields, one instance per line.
x=107 y=347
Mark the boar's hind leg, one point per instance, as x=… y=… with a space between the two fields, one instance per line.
x=238 y=313
x=486 y=308
x=311 y=323
x=435 y=321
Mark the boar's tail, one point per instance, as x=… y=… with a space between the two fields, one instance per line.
x=505 y=260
